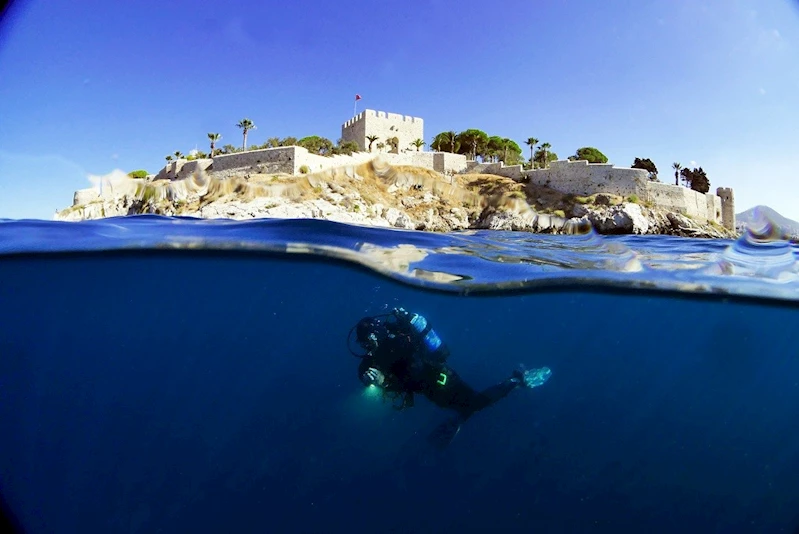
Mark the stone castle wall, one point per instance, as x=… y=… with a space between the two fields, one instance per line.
x=297 y=160
x=449 y=163
x=267 y=161
x=701 y=206
x=582 y=178
x=500 y=169
x=384 y=125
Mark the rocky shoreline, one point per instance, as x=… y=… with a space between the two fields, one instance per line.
x=378 y=194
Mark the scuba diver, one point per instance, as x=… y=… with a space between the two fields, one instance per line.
x=404 y=356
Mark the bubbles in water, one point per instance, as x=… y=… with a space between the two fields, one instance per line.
x=763 y=251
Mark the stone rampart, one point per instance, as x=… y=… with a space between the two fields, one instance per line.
x=449 y=163
x=514 y=172
x=171 y=169
x=417 y=159
x=192 y=167
x=582 y=178
x=701 y=206
x=268 y=160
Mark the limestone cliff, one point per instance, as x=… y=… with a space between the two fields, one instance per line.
x=375 y=193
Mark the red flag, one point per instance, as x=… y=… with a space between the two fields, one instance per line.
x=357 y=97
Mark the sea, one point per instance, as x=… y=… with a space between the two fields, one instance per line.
x=171 y=374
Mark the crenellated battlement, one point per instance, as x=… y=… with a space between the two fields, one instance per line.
x=383 y=125
x=382 y=115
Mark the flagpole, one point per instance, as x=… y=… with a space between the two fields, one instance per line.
x=355 y=107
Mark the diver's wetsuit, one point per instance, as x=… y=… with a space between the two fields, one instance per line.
x=406 y=373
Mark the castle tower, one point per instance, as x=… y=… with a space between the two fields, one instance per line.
x=727 y=207
x=385 y=126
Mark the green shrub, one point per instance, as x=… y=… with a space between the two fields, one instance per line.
x=633 y=198
x=304 y=169
x=138 y=174
x=559 y=213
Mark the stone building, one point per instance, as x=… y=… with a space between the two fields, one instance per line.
x=384 y=126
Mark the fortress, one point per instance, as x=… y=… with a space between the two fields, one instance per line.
x=384 y=126
x=570 y=177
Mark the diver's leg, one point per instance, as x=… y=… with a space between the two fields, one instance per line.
x=490 y=395
x=457 y=395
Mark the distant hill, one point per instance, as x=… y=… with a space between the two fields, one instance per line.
x=749 y=216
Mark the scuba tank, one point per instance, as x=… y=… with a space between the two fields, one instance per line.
x=426 y=338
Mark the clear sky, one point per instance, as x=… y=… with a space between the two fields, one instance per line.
x=87 y=87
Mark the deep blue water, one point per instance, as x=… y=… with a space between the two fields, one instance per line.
x=208 y=388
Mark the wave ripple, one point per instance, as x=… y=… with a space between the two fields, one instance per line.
x=762 y=263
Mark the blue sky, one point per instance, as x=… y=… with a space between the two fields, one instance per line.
x=87 y=87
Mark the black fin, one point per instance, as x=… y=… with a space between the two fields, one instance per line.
x=444 y=433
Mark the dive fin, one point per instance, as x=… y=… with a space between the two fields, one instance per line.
x=444 y=433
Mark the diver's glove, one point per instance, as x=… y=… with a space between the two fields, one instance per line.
x=531 y=378
x=373 y=377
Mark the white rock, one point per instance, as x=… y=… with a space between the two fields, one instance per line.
x=397 y=218
x=632 y=219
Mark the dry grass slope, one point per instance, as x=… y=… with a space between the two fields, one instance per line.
x=413 y=189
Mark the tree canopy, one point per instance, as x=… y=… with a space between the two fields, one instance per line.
x=590 y=154
x=446 y=142
x=696 y=179
x=647 y=165
x=475 y=143
x=543 y=156
x=316 y=145
x=345 y=147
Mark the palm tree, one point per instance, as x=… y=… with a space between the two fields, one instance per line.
x=545 y=147
x=418 y=143
x=531 y=142
x=178 y=154
x=213 y=137
x=246 y=125
x=371 y=139
x=676 y=166
x=381 y=146
x=169 y=157
x=451 y=137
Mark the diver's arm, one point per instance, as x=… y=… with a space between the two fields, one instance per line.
x=370 y=375
x=373 y=377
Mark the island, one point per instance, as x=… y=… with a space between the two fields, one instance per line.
x=379 y=175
